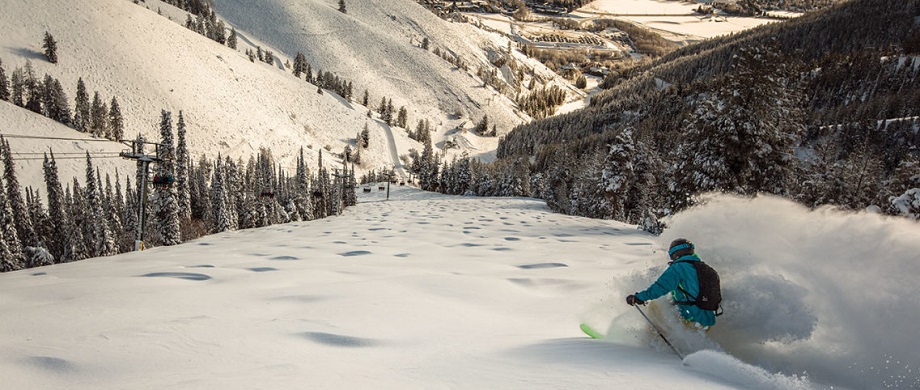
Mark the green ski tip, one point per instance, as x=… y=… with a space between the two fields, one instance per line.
x=591 y=332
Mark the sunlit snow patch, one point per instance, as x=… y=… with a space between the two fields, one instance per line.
x=732 y=370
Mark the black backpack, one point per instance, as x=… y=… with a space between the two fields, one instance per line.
x=710 y=289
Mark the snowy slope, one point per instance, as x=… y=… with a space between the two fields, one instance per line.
x=377 y=45
x=150 y=63
x=430 y=291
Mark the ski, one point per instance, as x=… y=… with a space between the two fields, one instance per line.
x=590 y=331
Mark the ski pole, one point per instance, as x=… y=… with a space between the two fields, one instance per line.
x=659 y=333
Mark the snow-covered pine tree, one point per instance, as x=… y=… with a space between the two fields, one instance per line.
x=62 y=106
x=10 y=248
x=903 y=188
x=555 y=190
x=102 y=238
x=37 y=256
x=33 y=89
x=428 y=168
x=8 y=261
x=618 y=173
x=76 y=205
x=129 y=217
x=55 y=101
x=220 y=32
x=48 y=106
x=252 y=213
x=304 y=194
x=99 y=117
x=642 y=196
x=81 y=115
x=351 y=187
x=50 y=46
x=121 y=205
x=365 y=137
x=166 y=199
x=231 y=40
x=114 y=209
x=4 y=84
x=382 y=108
x=585 y=191
x=334 y=204
x=201 y=199
x=857 y=180
x=183 y=162
x=321 y=192
x=116 y=121
x=17 y=89
x=448 y=177
x=23 y=224
x=300 y=64
x=236 y=190
x=402 y=119
x=388 y=113
x=57 y=212
x=219 y=200
x=464 y=176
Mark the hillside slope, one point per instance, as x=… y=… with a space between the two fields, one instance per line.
x=151 y=63
x=378 y=45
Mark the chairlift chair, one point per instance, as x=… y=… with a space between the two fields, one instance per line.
x=164 y=181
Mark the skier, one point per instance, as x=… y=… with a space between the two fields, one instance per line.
x=681 y=280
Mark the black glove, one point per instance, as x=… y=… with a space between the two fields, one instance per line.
x=632 y=300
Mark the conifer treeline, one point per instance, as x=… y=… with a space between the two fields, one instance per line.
x=100 y=218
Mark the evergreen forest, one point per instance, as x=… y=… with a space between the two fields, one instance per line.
x=823 y=109
x=173 y=201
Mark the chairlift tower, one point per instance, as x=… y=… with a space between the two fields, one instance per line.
x=137 y=153
x=343 y=177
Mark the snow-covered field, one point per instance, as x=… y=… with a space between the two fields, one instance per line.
x=431 y=291
x=676 y=20
x=642 y=7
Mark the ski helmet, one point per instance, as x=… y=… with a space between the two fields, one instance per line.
x=679 y=248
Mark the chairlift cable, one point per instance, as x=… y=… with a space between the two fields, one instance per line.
x=55 y=138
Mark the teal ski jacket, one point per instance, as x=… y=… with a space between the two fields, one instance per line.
x=680 y=273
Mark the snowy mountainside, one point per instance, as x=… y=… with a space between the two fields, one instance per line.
x=377 y=45
x=150 y=63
